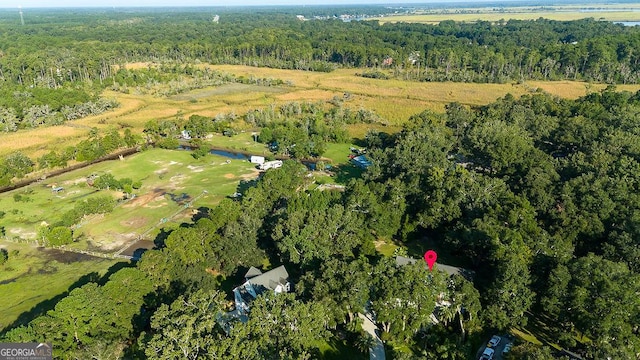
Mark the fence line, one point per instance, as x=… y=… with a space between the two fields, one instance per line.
x=67 y=249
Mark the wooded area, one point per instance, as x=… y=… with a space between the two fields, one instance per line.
x=538 y=196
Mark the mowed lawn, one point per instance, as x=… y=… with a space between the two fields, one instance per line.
x=174 y=186
x=171 y=181
x=34 y=278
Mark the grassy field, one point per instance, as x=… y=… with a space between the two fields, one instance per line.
x=170 y=180
x=394 y=100
x=606 y=12
x=34 y=279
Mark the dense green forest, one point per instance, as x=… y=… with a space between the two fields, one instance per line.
x=538 y=196
x=51 y=48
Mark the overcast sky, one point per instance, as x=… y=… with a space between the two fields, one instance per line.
x=134 y=3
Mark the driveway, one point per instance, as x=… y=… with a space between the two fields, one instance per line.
x=376 y=351
x=498 y=349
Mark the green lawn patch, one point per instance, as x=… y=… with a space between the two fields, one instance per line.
x=174 y=186
x=244 y=141
x=33 y=279
x=386 y=248
x=338 y=153
x=335 y=349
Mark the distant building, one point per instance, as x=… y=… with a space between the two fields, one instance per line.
x=270 y=165
x=257 y=160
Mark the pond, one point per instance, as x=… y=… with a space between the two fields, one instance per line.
x=229 y=154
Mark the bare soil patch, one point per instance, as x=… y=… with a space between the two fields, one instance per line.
x=252 y=175
x=195 y=168
x=157 y=195
x=229 y=176
x=22 y=233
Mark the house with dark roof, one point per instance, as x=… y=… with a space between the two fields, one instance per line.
x=256 y=283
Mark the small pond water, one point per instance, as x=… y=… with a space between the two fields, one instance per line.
x=629 y=23
x=310 y=164
x=229 y=154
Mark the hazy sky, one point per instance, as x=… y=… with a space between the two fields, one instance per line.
x=128 y=3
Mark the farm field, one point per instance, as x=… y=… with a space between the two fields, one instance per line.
x=394 y=100
x=605 y=12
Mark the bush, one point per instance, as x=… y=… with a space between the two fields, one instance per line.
x=4 y=256
x=60 y=235
x=374 y=75
x=96 y=205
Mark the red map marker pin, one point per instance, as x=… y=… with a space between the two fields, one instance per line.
x=430 y=257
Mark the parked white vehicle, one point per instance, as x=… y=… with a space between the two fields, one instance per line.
x=270 y=165
x=495 y=340
x=487 y=354
x=257 y=160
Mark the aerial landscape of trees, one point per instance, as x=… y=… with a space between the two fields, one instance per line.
x=537 y=197
x=551 y=233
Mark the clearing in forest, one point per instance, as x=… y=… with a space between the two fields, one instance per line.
x=174 y=186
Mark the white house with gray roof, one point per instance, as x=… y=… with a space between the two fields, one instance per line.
x=256 y=283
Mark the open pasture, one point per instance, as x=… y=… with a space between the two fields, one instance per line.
x=33 y=279
x=171 y=180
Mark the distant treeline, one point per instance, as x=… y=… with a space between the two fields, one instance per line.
x=85 y=46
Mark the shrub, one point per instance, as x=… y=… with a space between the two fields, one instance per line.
x=4 y=256
x=60 y=235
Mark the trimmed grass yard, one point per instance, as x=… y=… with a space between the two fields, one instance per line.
x=336 y=349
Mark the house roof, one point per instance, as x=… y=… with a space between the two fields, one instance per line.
x=402 y=261
x=252 y=272
x=271 y=279
x=361 y=161
x=451 y=270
